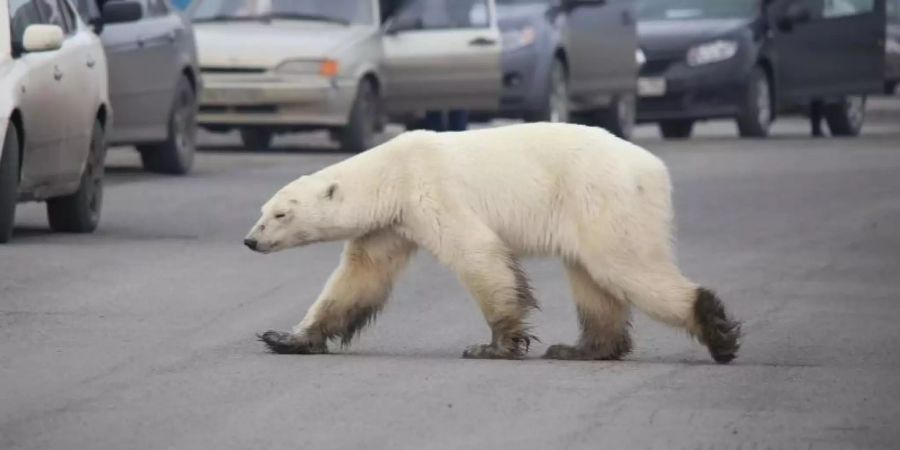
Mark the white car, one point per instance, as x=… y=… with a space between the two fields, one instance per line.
x=54 y=109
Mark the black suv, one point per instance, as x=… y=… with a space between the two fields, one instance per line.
x=752 y=59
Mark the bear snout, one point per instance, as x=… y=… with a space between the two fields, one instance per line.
x=251 y=243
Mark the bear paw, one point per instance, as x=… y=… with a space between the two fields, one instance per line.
x=489 y=351
x=574 y=353
x=287 y=343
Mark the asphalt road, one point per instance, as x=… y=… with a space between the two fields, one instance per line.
x=141 y=336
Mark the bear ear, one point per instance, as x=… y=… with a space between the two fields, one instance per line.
x=331 y=190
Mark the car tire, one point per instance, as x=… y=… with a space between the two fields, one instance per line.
x=618 y=119
x=175 y=156
x=359 y=134
x=256 y=138
x=555 y=102
x=9 y=182
x=757 y=110
x=80 y=212
x=676 y=129
x=847 y=117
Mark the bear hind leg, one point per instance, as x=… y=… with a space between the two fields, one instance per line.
x=496 y=281
x=604 y=321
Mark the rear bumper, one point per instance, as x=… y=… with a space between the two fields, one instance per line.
x=267 y=99
x=704 y=92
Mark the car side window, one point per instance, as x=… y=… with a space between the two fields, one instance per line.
x=156 y=8
x=88 y=9
x=843 y=8
x=68 y=17
x=447 y=14
x=23 y=13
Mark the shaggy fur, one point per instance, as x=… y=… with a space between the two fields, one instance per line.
x=717 y=331
x=479 y=201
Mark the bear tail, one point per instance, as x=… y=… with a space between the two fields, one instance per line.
x=720 y=333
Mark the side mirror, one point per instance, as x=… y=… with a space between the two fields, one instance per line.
x=42 y=38
x=403 y=22
x=121 y=12
x=795 y=14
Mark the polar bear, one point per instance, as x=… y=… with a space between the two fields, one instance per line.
x=479 y=201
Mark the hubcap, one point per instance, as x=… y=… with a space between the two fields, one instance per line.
x=95 y=169
x=559 y=102
x=184 y=126
x=763 y=103
x=855 y=109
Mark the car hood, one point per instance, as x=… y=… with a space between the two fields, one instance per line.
x=670 y=36
x=259 y=44
x=512 y=16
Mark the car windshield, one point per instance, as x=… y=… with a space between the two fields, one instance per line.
x=336 y=11
x=520 y=2
x=696 y=9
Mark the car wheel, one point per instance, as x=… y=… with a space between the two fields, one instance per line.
x=618 y=119
x=676 y=129
x=846 y=118
x=555 y=104
x=80 y=212
x=176 y=155
x=757 y=111
x=359 y=134
x=256 y=138
x=9 y=182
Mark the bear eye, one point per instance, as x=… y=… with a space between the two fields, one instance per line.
x=279 y=216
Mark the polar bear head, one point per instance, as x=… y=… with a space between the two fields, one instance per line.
x=308 y=210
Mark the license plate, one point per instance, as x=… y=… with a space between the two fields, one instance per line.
x=651 y=87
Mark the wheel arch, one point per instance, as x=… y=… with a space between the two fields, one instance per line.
x=19 y=126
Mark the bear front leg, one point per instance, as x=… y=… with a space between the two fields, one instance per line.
x=353 y=296
x=495 y=279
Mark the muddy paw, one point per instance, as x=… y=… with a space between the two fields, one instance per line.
x=562 y=351
x=287 y=343
x=576 y=353
x=487 y=351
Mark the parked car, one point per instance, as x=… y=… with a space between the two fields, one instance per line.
x=357 y=62
x=752 y=59
x=154 y=80
x=892 y=48
x=569 y=61
x=54 y=111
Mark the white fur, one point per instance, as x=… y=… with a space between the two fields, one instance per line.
x=474 y=199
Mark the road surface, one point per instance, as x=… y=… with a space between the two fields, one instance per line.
x=141 y=336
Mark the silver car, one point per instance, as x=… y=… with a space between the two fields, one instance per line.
x=342 y=65
x=153 y=80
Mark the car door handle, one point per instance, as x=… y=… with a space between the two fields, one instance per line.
x=482 y=42
x=57 y=74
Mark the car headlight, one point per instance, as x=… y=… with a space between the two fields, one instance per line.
x=892 y=46
x=711 y=52
x=518 y=38
x=328 y=68
x=640 y=57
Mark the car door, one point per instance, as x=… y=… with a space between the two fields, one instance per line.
x=827 y=48
x=447 y=56
x=78 y=61
x=142 y=58
x=601 y=37
x=42 y=93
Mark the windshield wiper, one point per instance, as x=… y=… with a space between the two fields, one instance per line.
x=299 y=16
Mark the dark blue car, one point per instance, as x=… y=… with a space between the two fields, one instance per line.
x=569 y=61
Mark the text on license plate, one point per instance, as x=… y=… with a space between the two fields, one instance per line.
x=651 y=87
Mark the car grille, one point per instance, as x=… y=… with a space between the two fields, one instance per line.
x=232 y=70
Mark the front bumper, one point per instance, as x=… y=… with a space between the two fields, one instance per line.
x=235 y=99
x=524 y=82
x=704 y=92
